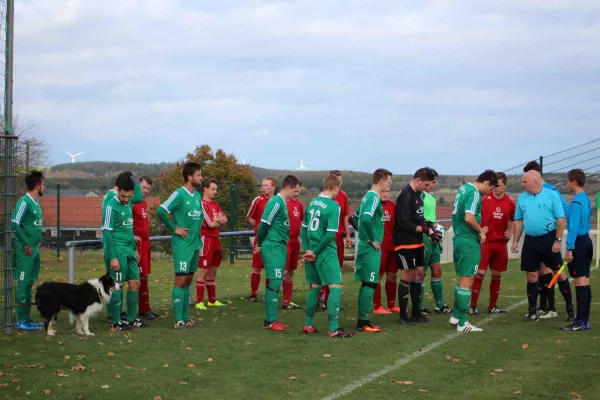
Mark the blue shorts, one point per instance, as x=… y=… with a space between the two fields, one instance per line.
x=583 y=253
x=538 y=250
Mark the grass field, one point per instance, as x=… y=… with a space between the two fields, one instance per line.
x=231 y=356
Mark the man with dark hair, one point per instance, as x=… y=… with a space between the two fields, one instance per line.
x=547 y=298
x=368 y=255
x=388 y=259
x=185 y=205
x=468 y=237
x=211 y=254
x=27 y=225
x=409 y=245
x=296 y=214
x=497 y=214
x=580 y=249
x=271 y=242
x=540 y=215
x=141 y=230
x=121 y=255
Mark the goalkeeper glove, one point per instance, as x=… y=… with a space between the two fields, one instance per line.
x=134 y=179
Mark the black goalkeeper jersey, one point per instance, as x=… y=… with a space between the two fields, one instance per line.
x=409 y=215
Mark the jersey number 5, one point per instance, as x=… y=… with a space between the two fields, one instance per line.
x=313 y=225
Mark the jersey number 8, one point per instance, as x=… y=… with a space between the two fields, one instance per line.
x=313 y=225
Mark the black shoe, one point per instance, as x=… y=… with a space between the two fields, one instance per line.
x=123 y=316
x=576 y=326
x=496 y=310
x=532 y=317
x=420 y=319
x=122 y=326
x=340 y=334
x=138 y=323
x=443 y=310
x=425 y=312
x=148 y=315
x=252 y=299
x=404 y=320
x=571 y=316
x=323 y=308
x=473 y=311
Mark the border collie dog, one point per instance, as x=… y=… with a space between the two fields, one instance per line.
x=83 y=300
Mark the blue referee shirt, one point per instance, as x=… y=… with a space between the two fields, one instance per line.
x=579 y=220
x=539 y=212
x=564 y=203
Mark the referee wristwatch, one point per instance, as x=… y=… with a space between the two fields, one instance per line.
x=558 y=239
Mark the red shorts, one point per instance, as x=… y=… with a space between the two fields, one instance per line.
x=145 y=258
x=388 y=262
x=494 y=254
x=210 y=255
x=339 y=242
x=257 y=262
x=293 y=254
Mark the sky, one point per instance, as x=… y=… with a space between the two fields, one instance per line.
x=347 y=84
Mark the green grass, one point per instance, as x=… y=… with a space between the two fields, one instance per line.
x=231 y=356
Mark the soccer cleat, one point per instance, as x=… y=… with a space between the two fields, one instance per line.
x=443 y=310
x=404 y=320
x=123 y=316
x=310 y=330
x=323 y=308
x=38 y=325
x=109 y=320
x=179 y=325
x=425 y=311
x=137 y=323
x=467 y=327
x=496 y=310
x=548 y=315
x=24 y=326
x=367 y=326
x=190 y=323
x=275 y=326
x=571 y=316
x=382 y=311
x=201 y=307
x=453 y=321
x=217 y=303
x=473 y=311
x=394 y=309
x=577 y=326
x=291 y=306
x=340 y=334
x=252 y=298
x=532 y=317
x=149 y=315
x=420 y=319
x=122 y=326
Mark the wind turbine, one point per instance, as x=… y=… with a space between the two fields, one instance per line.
x=74 y=155
x=302 y=167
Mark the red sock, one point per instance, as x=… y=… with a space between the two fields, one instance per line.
x=476 y=289
x=288 y=287
x=199 y=291
x=390 y=290
x=211 y=288
x=254 y=282
x=377 y=296
x=326 y=294
x=494 y=290
x=144 y=299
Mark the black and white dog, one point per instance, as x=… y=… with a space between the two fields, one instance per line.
x=83 y=300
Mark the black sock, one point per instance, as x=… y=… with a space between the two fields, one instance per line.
x=565 y=289
x=532 y=295
x=580 y=300
x=403 y=293
x=588 y=303
x=546 y=295
x=415 y=297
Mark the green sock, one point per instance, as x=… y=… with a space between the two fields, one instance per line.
x=333 y=308
x=272 y=300
x=438 y=292
x=365 y=302
x=177 y=298
x=462 y=299
x=185 y=311
x=422 y=300
x=132 y=303
x=114 y=306
x=21 y=300
x=312 y=302
x=28 y=307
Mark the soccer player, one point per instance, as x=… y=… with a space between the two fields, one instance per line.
x=468 y=237
x=210 y=257
x=408 y=243
x=540 y=215
x=141 y=230
x=296 y=214
x=254 y=214
x=322 y=267
x=185 y=205
x=497 y=214
x=121 y=255
x=580 y=249
x=433 y=251
x=368 y=256
x=547 y=298
x=272 y=238
x=27 y=225
x=388 y=258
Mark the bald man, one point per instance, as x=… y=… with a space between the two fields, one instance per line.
x=541 y=216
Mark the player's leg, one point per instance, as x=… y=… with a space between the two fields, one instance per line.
x=274 y=256
x=115 y=305
x=257 y=267
x=312 y=298
x=144 y=308
x=133 y=291
x=293 y=254
x=330 y=273
x=201 y=285
x=530 y=263
x=428 y=253
x=367 y=269
x=185 y=312
x=181 y=264
x=547 y=294
x=579 y=269
x=498 y=265
x=391 y=284
x=22 y=273
x=467 y=254
x=406 y=278
x=564 y=286
x=486 y=255
x=437 y=287
x=416 y=286
x=377 y=307
x=215 y=263
x=35 y=272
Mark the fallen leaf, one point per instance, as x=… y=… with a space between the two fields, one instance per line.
x=449 y=358
x=327 y=355
x=492 y=373
x=59 y=342
x=128 y=367
x=517 y=393
x=191 y=366
x=558 y=341
x=105 y=386
x=519 y=378
x=110 y=354
x=166 y=366
x=473 y=361
x=323 y=375
x=67 y=357
x=183 y=383
x=143 y=369
x=16 y=354
x=61 y=373
x=499 y=370
x=1 y=373
x=525 y=346
x=46 y=391
x=3 y=384
x=27 y=393
x=577 y=396
x=560 y=357
x=210 y=359
x=403 y=390
x=455 y=360
x=117 y=376
x=292 y=378
x=157 y=398
x=423 y=390
x=505 y=340
x=198 y=373
x=188 y=348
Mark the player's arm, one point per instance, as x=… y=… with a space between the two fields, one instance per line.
x=208 y=220
x=517 y=226
x=367 y=215
x=333 y=225
x=271 y=210
x=164 y=211
x=137 y=191
x=403 y=209
x=573 y=227
x=559 y=214
x=471 y=201
x=355 y=218
x=107 y=231
x=252 y=217
x=486 y=213
x=20 y=211
x=222 y=217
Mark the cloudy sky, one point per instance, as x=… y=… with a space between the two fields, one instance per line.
x=348 y=84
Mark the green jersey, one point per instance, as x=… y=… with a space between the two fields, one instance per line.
x=468 y=200
x=321 y=216
x=276 y=217
x=28 y=217
x=118 y=218
x=370 y=218
x=429 y=205
x=186 y=209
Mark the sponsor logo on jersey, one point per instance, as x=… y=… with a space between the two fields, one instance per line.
x=296 y=212
x=128 y=222
x=498 y=214
x=287 y=223
x=37 y=222
x=196 y=214
x=144 y=213
x=387 y=217
x=420 y=211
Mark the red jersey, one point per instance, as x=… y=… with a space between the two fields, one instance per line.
x=257 y=208
x=211 y=210
x=342 y=200
x=141 y=220
x=296 y=213
x=495 y=214
x=389 y=214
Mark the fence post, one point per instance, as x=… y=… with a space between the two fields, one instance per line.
x=8 y=194
x=58 y=221
x=71 y=272
x=232 y=221
x=542 y=165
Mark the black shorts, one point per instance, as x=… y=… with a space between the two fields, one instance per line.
x=409 y=259
x=538 y=250
x=583 y=253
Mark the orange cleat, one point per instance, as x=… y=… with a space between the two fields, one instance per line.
x=395 y=309
x=311 y=330
x=368 y=327
x=381 y=310
x=275 y=326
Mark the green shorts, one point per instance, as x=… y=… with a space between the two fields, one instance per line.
x=186 y=262
x=26 y=268
x=467 y=254
x=328 y=267
x=128 y=267
x=274 y=257
x=367 y=263
x=432 y=253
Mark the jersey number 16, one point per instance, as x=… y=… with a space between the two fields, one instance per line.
x=313 y=225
